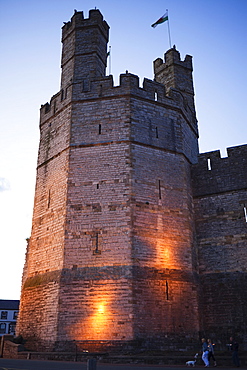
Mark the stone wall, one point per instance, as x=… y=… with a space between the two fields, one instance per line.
x=123 y=242
x=220 y=191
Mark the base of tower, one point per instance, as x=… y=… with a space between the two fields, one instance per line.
x=167 y=343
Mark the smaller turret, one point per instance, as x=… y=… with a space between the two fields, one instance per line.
x=177 y=74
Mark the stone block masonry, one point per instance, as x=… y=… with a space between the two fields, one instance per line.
x=129 y=224
x=220 y=190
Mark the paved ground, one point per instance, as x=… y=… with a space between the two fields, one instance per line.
x=7 y=364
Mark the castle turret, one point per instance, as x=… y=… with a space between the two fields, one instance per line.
x=84 y=51
x=177 y=74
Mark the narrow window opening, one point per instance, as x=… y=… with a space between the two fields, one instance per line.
x=159 y=189
x=49 y=199
x=84 y=85
x=155 y=96
x=97 y=186
x=97 y=250
x=157 y=134
x=62 y=94
x=209 y=164
x=167 y=291
x=99 y=129
x=97 y=242
x=245 y=213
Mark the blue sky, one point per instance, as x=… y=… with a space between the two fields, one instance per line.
x=214 y=32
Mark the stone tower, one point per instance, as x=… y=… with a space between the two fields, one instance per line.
x=111 y=259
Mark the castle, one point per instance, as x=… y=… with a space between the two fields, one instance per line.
x=137 y=239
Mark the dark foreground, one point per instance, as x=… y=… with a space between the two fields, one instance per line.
x=8 y=364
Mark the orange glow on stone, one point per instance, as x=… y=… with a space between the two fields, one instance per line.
x=94 y=322
x=101 y=309
x=102 y=314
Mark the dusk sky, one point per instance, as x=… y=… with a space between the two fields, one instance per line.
x=214 y=32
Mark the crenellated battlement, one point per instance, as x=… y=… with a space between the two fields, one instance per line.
x=214 y=174
x=172 y=56
x=77 y=20
x=99 y=88
x=235 y=152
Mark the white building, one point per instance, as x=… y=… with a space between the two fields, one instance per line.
x=8 y=316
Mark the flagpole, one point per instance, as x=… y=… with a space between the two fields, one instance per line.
x=109 y=60
x=169 y=34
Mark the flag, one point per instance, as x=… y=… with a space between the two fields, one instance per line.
x=160 y=20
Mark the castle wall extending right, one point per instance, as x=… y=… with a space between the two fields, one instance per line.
x=220 y=201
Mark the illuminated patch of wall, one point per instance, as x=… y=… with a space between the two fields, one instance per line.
x=104 y=312
x=163 y=249
x=169 y=248
x=165 y=280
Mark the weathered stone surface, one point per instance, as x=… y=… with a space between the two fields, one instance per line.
x=220 y=189
x=130 y=229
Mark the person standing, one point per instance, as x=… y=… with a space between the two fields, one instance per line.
x=234 y=349
x=205 y=352
x=211 y=352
